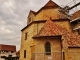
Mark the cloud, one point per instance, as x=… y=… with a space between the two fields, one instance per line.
x=13 y=17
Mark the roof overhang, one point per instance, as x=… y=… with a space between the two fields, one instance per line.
x=75 y=19
x=73 y=46
x=56 y=36
x=38 y=21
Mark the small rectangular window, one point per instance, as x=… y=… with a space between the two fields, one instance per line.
x=25 y=35
x=24 y=53
x=48 y=48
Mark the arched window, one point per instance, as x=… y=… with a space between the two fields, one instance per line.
x=48 y=48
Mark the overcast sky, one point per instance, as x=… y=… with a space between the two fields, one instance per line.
x=13 y=17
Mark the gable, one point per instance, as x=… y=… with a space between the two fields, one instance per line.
x=50 y=29
x=48 y=5
x=51 y=3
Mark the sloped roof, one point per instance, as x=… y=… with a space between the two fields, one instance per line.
x=48 y=5
x=52 y=29
x=51 y=3
x=8 y=47
x=33 y=12
x=72 y=39
x=75 y=15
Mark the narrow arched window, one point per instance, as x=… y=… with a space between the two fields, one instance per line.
x=48 y=48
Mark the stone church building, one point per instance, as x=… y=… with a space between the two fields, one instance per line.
x=50 y=35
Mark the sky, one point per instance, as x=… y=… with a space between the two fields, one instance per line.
x=13 y=17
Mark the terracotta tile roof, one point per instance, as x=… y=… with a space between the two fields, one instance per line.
x=52 y=29
x=72 y=39
x=75 y=15
x=51 y=3
x=8 y=47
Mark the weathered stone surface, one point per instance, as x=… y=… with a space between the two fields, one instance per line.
x=49 y=25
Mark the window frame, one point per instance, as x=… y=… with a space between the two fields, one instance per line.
x=48 y=48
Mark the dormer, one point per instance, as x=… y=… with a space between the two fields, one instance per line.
x=31 y=16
